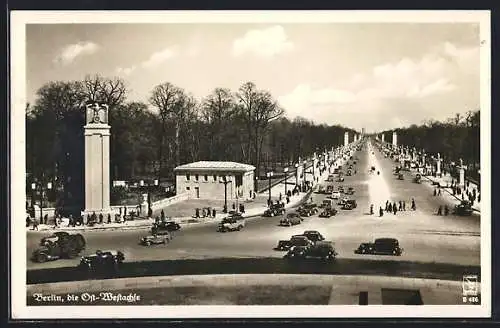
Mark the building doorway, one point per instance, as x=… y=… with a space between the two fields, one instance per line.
x=197 y=191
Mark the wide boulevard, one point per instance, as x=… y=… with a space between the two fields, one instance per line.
x=424 y=236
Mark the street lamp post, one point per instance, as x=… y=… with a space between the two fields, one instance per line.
x=297 y=174
x=225 y=181
x=269 y=176
x=286 y=179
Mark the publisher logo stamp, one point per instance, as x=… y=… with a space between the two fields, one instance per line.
x=470 y=289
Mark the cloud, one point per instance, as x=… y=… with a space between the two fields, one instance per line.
x=390 y=89
x=159 y=57
x=264 y=43
x=70 y=52
x=156 y=59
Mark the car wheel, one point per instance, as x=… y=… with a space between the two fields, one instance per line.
x=148 y=243
x=271 y=215
x=41 y=258
x=239 y=228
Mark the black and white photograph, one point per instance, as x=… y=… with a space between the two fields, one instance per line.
x=250 y=164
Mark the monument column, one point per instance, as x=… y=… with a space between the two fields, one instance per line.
x=394 y=139
x=383 y=137
x=97 y=134
x=346 y=139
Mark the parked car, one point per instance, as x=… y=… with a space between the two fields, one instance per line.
x=328 y=212
x=381 y=246
x=155 y=239
x=230 y=224
x=335 y=195
x=463 y=209
x=323 y=250
x=296 y=240
x=349 y=204
x=291 y=219
x=102 y=260
x=275 y=210
x=313 y=235
x=164 y=228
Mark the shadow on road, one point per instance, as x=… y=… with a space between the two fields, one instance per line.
x=260 y=266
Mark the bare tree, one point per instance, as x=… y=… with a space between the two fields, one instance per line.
x=110 y=91
x=217 y=111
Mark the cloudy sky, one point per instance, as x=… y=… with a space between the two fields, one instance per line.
x=377 y=76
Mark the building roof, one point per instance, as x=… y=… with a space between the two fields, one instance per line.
x=215 y=166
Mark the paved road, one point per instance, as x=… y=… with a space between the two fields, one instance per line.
x=424 y=236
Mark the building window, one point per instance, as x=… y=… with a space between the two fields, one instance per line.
x=205 y=177
x=188 y=188
x=196 y=177
x=215 y=178
x=188 y=177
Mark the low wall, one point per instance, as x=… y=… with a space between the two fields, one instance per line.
x=169 y=201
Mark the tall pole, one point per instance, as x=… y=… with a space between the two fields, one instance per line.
x=286 y=179
x=269 y=175
x=225 y=196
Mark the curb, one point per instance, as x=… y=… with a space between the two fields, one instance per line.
x=224 y=280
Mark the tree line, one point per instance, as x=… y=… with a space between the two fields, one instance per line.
x=456 y=138
x=170 y=128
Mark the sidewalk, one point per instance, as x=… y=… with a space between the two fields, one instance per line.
x=183 y=221
x=447 y=192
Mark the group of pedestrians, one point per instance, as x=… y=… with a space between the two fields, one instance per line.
x=393 y=207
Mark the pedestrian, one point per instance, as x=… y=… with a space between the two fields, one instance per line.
x=400 y=208
x=394 y=208
x=213 y=213
x=413 y=205
x=109 y=218
x=435 y=192
x=162 y=214
x=280 y=197
x=197 y=213
x=234 y=206
x=150 y=212
x=101 y=218
x=440 y=210
x=389 y=208
x=28 y=221
x=446 y=210
x=124 y=212
x=35 y=224
x=371 y=209
x=288 y=200
x=439 y=192
x=381 y=212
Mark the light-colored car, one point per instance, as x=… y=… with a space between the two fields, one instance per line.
x=231 y=224
x=335 y=195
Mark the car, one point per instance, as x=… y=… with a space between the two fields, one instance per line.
x=164 y=228
x=230 y=224
x=102 y=260
x=308 y=209
x=350 y=204
x=350 y=191
x=335 y=195
x=329 y=189
x=324 y=250
x=275 y=210
x=463 y=209
x=155 y=240
x=59 y=245
x=313 y=235
x=328 y=212
x=296 y=240
x=340 y=189
x=326 y=203
x=291 y=219
x=381 y=246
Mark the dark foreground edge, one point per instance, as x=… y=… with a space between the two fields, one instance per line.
x=260 y=266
